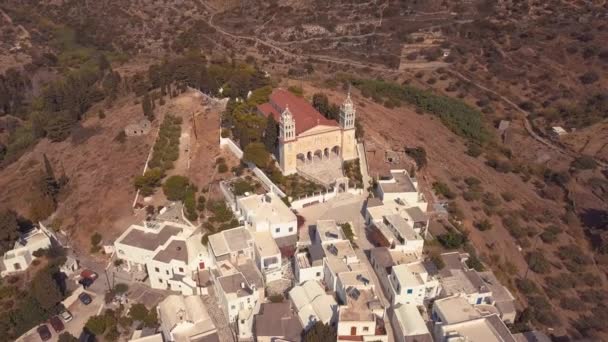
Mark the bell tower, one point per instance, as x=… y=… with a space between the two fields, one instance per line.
x=347 y=124
x=287 y=142
x=347 y=113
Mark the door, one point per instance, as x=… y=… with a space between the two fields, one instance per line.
x=353 y=331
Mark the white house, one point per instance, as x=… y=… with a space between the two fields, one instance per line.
x=308 y=265
x=238 y=287
x=267 y=256
x=481 y=289
x=400 y=234
x=268 y=213
x=231 y=244
x=408 y=324
x=185 y=319
x=327 y=231
x=339 y=257
x=21 y=256
x=411 y=284
x=174 y=266
x=362 y=317
x=313 y=304
x=359 y=279
x=139 y=244
x=455 y=319
x=403 y=189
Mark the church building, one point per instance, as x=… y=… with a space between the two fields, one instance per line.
x=307 y=138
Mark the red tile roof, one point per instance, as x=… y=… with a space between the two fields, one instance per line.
x=305 y=115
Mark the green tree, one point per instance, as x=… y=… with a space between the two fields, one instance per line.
x=138 y=312
x=147 y=182
x=190 y=205
x=67 y=337
x=146 y=105
x=97 y=325
x=271 y=134
x=256 y=153
x=418 y=154
x=320 y=332
x=177 y=187
x=8 y=230
x=45 y=289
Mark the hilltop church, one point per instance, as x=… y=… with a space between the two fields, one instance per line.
x=307 y=139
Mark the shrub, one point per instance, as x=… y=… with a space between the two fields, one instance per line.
x=138 y=312
x=512 y=224
x=148 y=182
x=537 y=262
x=418 y=154
x=550 y=234
x=471 y=195
x=473 y=150
x=472 y=181
x=121 y=288
x=452 y=240
x=526 y=286
x=443 y=190
x=507 y=196
x=257 y=154
x=483 y=225
x=95 y=239
x=437 y=260
x=572 y=304
x=222 y=168
x=584 y=163
x=96 y=325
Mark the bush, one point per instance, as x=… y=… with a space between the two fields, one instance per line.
x=138 y=312
x=222 y=168
x=550 y=234
x=437 y=260
x=418 y=154
x=95 y=239
x=537 y=262
x=526 y=286
x=452 y=240
x=507 y=196
x=483 y=225
x=471 y=195
x=443 y=190
x=473 y=150
x=572 y=304
x=149 y=181
x=257 y=154
x=584 y=163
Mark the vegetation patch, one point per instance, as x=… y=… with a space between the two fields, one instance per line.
x=352 y=170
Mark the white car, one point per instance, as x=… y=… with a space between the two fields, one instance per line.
x=66 y=316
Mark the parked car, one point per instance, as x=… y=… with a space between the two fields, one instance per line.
x=88 y=274
x=57 y=324
x=44 y=332
x=86 y=282
x=85 y=298
x=66 y=316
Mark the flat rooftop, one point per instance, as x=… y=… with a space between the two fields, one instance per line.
x=266 y=208
x=265 y=244
x=358 y=309
x=400 y=182
x=356 y=278
x=417 y=214
x=405 y=229
x=490 y=329
x=329 y=231
x=250 y=271
x=456 y=309
x=231 y=240
x=232 y=284
x=138 y=237
x=176 y=250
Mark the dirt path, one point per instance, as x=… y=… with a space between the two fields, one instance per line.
x=527 y=123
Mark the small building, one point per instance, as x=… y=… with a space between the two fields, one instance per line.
x=308 y=265
x=235 y=293
x=408 y=324
x=339 y=257
x=231 y=244
x=20 y=257
x=400 y=234
x=359 y=279
x=327 y=231
x=268 y=213
x=313 y=304
x=480 y=289
x=175 y=266
x=362 y=317
x=558 y=132
x=277 y=321
x=267 y=256
x=139 y=244
x=185 y=319
x=454 y=318
x=412 y=284
x=402 y=188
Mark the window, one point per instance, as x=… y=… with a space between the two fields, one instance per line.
x=318 y=274
x=160 y=281
x=156 y=269
x=181 y=269
x=365 y=329
x=479 y=301
x=277 y=230
x=248 y=300
x=243 y=322
x=232 y=307
x=290 y=229
x=167 y=271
